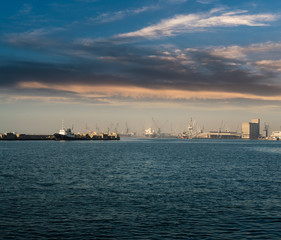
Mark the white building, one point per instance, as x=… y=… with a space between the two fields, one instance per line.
x=276 y=135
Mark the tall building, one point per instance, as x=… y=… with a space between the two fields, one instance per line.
x=266 y=130
x=251 y=130
x=246 y=130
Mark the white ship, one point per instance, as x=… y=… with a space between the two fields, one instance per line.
x=150 y=133
x=191 y=131
x=65 y=134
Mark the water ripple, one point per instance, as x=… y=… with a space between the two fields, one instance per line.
x=140 y=189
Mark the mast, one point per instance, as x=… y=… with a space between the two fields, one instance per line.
x=190 y=128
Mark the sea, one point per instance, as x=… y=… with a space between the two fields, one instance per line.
x=140 y=189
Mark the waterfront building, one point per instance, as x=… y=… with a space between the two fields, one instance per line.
x=266 y=130
x=219 y=135
x=251 y=130
x=276 y=135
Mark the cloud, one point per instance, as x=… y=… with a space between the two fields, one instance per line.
x=115 y=65
x=136 y=92
x=125 y=95
x=201 y=22
x=32 y=38
x=270 y=65
x=26 y=9
x=231 y=52
x=205 y=1
x=109 y=71
x=253 y=51
x=114 y=16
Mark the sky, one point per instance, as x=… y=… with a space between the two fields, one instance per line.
x=105 y=63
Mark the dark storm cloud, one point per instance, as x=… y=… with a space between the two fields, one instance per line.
x=208 y=72
x=111 y=62
x=15 y=72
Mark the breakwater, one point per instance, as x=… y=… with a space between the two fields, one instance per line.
x=26 y=137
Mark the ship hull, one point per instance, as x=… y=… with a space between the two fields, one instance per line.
x=63 y=137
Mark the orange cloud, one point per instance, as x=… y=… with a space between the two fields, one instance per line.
x=101 y=91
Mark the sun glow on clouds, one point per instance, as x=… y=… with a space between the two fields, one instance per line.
x=270 y=49
x=106 y=92
x=272 y=65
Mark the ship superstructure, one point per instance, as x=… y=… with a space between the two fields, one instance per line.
x=191 y=132
x=149 y=132
x=65 y=134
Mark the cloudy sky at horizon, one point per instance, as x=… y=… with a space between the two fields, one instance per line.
x=106 y=62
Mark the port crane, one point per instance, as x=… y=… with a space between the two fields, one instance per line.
x=127 y=128
x=158 y=129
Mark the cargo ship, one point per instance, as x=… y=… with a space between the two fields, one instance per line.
x=65 y=135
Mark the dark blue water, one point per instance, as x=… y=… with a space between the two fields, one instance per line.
x=140 y=189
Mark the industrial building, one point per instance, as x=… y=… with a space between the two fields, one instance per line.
x=219 y=135
x=251 y=130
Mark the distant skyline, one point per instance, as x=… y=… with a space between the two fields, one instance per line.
x=104 y=62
